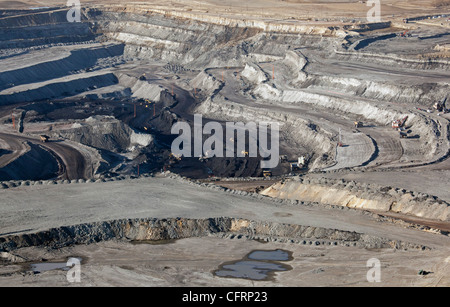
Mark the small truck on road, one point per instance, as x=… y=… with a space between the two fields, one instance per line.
x=44 y=138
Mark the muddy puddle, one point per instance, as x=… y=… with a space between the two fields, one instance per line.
x=154 y=242
x=257 y=265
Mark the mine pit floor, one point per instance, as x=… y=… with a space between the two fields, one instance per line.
x=193 y=262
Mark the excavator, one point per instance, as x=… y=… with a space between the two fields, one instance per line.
x=406 y=34
x=399 y=123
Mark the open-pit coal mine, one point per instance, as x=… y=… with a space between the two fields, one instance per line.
x=160 y=143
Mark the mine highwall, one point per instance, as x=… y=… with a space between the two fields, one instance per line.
x=150 y=229
x=354 y=195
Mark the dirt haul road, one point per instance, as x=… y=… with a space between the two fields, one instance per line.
x=12 y=147
x=74 y=165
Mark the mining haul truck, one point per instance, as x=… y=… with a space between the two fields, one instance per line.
x=44 y=138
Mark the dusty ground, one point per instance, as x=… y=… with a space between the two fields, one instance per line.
x=297 y=9
x=191 y=262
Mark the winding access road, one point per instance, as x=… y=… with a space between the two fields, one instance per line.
x=73 y=165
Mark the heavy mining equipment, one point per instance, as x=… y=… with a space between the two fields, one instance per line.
x=359 y=124
x=44 y=138
x=267 y=174
x=406 y=34
x=299 y=165
x=399 y=123
x=175 y=157
x=283 y=158
x=440 y=106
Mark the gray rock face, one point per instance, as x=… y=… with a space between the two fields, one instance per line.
x=178 y=228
